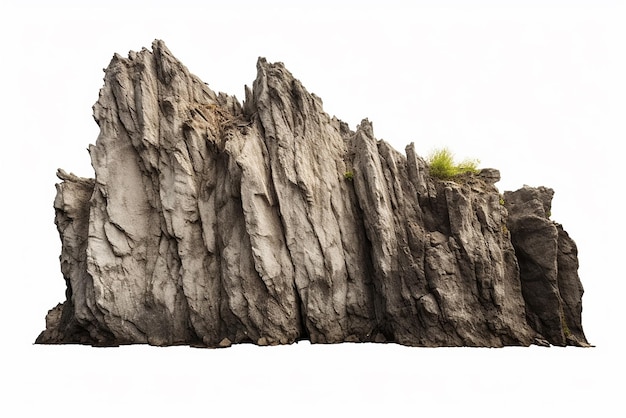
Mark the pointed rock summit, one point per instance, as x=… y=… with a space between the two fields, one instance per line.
x=211 y=223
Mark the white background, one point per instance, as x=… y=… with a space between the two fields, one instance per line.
x=534 y=88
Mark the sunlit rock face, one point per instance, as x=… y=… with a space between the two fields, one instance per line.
x=211 y=222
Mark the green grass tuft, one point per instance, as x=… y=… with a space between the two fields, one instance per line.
x=468 y=166
x=442 y=165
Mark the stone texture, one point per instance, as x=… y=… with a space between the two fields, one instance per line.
x=211 y=223
x=548 y=262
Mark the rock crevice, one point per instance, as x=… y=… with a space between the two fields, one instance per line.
x=211 y=222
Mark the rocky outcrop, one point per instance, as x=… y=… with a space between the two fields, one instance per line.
x=211 y=222
x=548 y=261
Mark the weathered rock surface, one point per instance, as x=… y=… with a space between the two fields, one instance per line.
x=548 y=260
x=212 y=223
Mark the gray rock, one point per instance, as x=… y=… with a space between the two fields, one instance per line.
x=212 y=223
x=490 y=175
x=548 y=262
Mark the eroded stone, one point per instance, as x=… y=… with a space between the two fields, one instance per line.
x=212 y=223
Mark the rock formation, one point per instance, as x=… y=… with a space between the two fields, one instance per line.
x=211 y=222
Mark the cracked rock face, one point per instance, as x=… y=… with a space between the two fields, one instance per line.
x=211 y=222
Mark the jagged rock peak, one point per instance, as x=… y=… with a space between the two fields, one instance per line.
x=211 y=223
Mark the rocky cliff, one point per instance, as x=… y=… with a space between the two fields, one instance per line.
x=211 y=222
